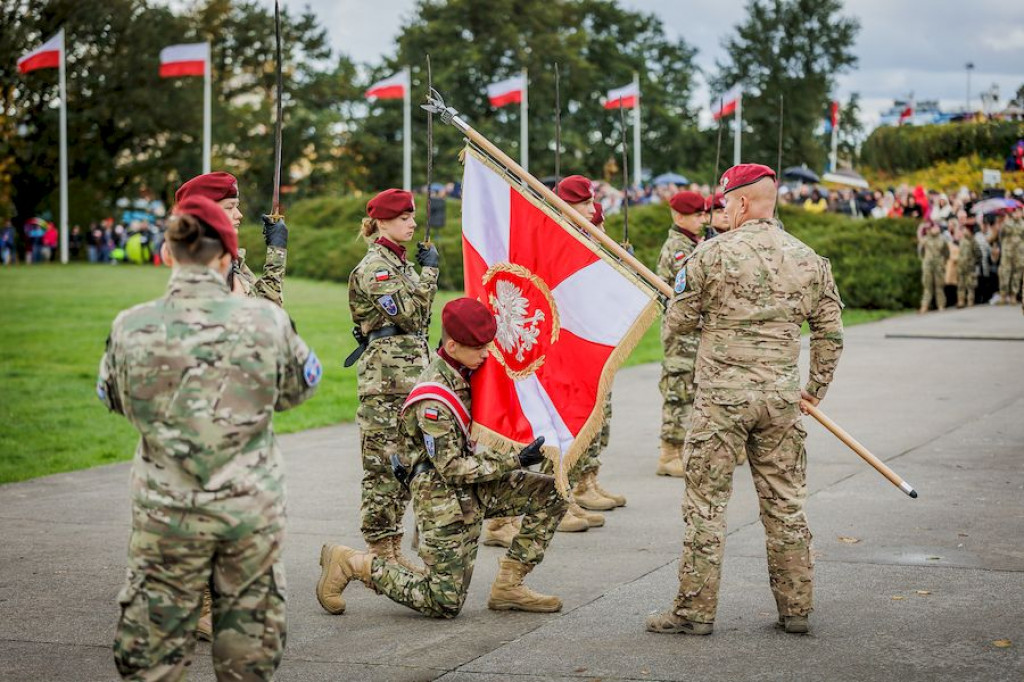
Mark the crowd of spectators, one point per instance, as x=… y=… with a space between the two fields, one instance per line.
x=106 y=241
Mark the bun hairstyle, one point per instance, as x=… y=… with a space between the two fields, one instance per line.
x=192 y=241
x=368 y=229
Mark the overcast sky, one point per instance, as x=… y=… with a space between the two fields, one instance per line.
x=903 y=45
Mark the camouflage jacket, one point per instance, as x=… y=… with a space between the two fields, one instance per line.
x=677 y=247
x=934 y=249
x=432 y=432
x=199 y=373
x=271 y=285
x=384 y=291
x=969 y=255
x=752 y=288
x=1011 y=237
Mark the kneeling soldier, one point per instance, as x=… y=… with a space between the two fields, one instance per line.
x=455 y=485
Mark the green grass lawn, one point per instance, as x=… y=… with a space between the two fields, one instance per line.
x=53 y=326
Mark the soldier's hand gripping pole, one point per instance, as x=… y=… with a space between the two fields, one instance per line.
x=852 y=443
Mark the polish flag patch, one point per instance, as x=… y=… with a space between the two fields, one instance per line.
x=431 y=413
x=680 y=255
x=382 y=275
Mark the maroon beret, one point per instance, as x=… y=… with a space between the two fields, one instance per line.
x=687 y=202
x=389 y=204
x=469 y=322
x=743 y=175
x=213 y=186
x=575 y=189
x=718 y=200
x=212 y=215
x=598 y=215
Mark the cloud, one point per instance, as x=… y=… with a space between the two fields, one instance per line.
x=1013 y=41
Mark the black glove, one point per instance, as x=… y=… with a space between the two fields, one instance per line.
x=275 y=233
x=531 y=454
x=427 y=256
x=399 y=470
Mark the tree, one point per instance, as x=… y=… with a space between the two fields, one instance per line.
x=793 y=49
x=851 y=129
x=597 y=45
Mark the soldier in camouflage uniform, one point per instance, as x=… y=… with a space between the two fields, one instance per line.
x=222 y=188
x=934 y=252
x=680 y=350
x=966 y=264
x=750 y=290
x=390 y=304
x=199 y=373
x=456 y=485
x=1011 y=257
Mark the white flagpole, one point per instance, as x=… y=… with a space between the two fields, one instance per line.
x=524 y=140
x=206 y=109
x=63 y=151
x=407 y=133
x=738 y=132
x=834 y=156
x=637 y=169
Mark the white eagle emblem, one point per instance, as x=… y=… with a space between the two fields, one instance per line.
x=516 y=331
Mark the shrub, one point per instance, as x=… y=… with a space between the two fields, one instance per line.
x=908 y=148
x=874 y=261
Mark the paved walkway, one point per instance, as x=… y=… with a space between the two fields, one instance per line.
x=925 y=592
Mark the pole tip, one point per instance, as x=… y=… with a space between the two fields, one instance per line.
x=913 y=494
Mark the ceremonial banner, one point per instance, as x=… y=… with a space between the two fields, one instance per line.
x=392 y=87
x=508 y=91
x=188 y=59
x=568 y=316
x=46 y=56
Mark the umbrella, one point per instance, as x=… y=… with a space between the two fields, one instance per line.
x=802 y=173
x=846 y=177
x=670 y=179
x=996 y=205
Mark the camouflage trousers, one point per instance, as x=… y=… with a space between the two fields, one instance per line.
x=172 y=556
x=966 y=285
x=933 y=282
x=448 y=549
x=383 y=498
x=677 y=385
x=1011 y=272
x=766 y=425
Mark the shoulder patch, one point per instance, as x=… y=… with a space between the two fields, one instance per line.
x=680 y=255
x=382 y=275
x=428 y=443
x=387 y=302
x=312 y=371
x=680 y=286
x=431 y=413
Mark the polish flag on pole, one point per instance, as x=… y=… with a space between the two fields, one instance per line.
x=568 y=316
x=188 y=59
x=626 y=97
x=730 y=100
x=392 y=87
x=46 y=56
x=508 y=91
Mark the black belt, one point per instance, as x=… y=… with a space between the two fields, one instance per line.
x=366 y=340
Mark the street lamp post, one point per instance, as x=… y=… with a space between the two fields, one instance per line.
x=970 y=67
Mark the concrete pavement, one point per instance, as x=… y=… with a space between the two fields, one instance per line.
x=915 y=589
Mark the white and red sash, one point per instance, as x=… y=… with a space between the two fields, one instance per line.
x=431 y=390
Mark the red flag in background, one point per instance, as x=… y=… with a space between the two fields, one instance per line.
x=46 y=56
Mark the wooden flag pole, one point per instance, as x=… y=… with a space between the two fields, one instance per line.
x=449 y=115
x=864 y=453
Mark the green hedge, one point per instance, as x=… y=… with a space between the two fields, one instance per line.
x=874 y=261
x=907 y=148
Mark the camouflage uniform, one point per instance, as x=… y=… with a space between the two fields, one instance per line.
x=384 y=290
x=1011 y=259
x=199 y=373
x=270 y=285
x=680 y=350
x=751 y=289
x=466 y=484
x=967 y=271
x=934 y=254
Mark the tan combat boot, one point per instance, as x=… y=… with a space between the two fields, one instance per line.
x=339 y=565
x=508 y=593
x=204 y=630
x=588 y=498
x=593 y=519
x=671 y=461
x=573 y=522
x=670 y=623
x=619 y=500
x=500 y=532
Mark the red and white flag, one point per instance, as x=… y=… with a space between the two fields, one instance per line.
x=187 y=59
x=568 y=316
x=626 y=97
x=907 y=113
x=508 y=91
x=46 y=56
x=729 y=101
x=392 y=87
